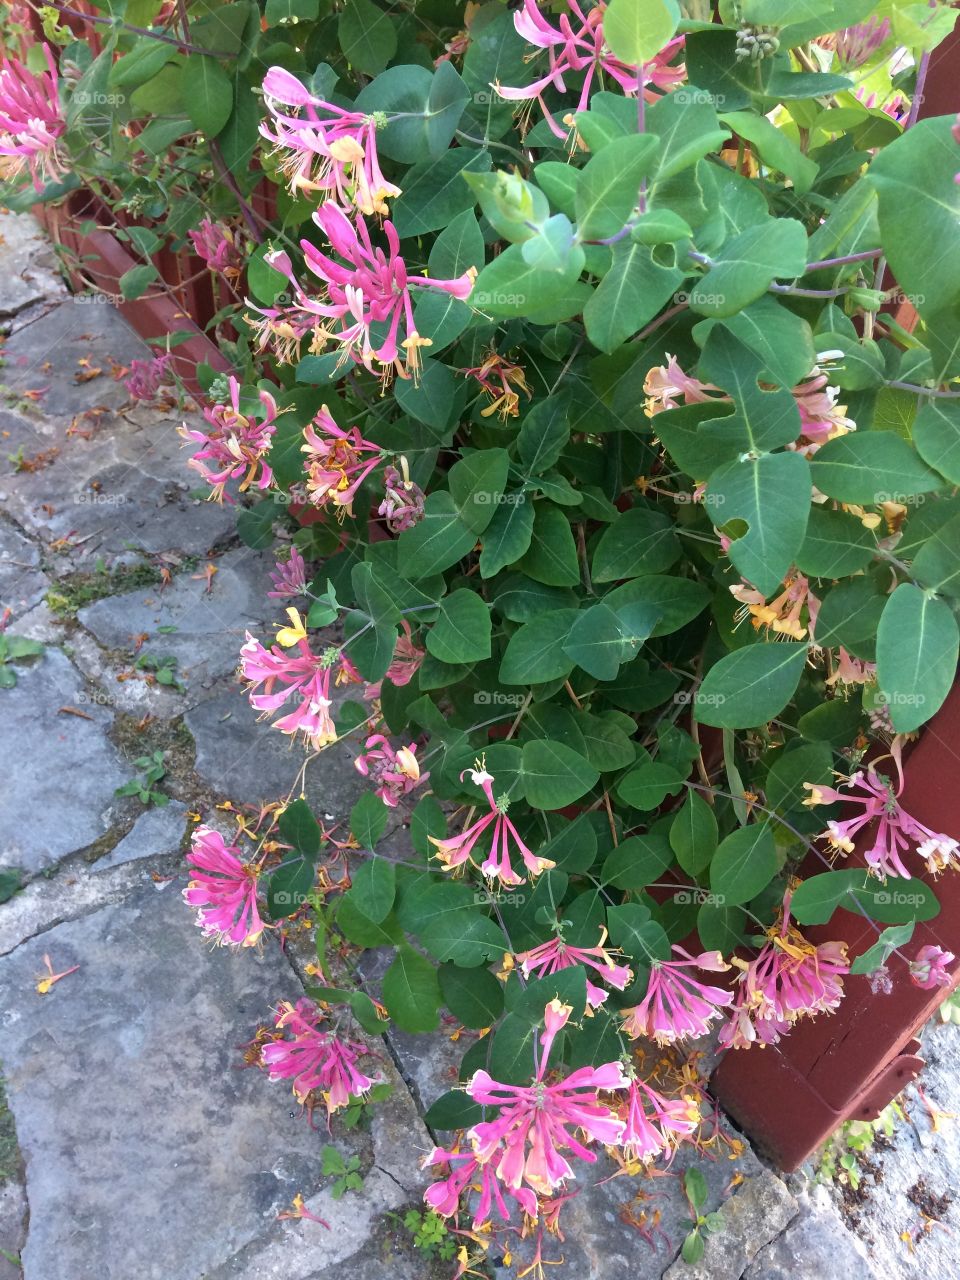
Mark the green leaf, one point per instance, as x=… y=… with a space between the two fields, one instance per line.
x=772 y=495
x=637 y=861
x=451 y=925
x=535 y=652
x=636 y=30
x=207 y=93
x=438 y=541
x=686 y=124
x=367 y=36
x=641 y=938
x=647 y=786
x=745 y=862
x=508 y=535
x=554 y=775
x=473 y=996
x=914 y=178
x=453 y=1110
x=746 y=265
x=693 y=834
x=866 y=468
x=641 y=540
x=750 y=686
x=917 y=645
x=433 y=398
x=544 y=432
x=552 y=555
x=299 y=828
x=368 y=821
x=836 y=544
x=849 y=614
x=511 y=286
x=411 y=991
x=434 y=191
x=476 y=483
x=602 y=638
x=289 y=886
x=936 y=434
x=135 y=282
x=776 y=149
x=610 y=184
x=373 y=887
x=878 y=955
x=937 y=564
x=462 y=631
x=780 y=338
x=631 y=293
x=764 y=419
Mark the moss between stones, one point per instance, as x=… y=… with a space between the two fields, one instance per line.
x=9 y=1149
x=75 y=590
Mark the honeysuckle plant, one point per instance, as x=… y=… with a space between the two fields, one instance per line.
x=597 y=385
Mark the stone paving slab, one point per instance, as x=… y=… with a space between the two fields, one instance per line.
x=22 y=582
x=242 y=757
x=210 y=619
x=148 y=1153
x=156 y=834
x=28 y=266
x=60 y=771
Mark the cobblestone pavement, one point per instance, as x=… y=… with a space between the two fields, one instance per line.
x=132 y=1147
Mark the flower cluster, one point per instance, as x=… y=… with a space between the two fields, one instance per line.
x=300 y=681
x=217 y=245
x=223 y=888
x=396 y=772
x=790 y=978
x=236 y=443
x=364 y=287
x=337 y=462
x=555 y=954
x=325 y=148
x=313 y=1058
x=581 y=48
x=31 y=122
x=896 y=830
x=676 y=1004
x=456 y=850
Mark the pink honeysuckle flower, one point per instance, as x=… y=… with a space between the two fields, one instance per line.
x=336 y=466
x=315 y=1058
x=667 y=386
x=584 y=50
x=896 y=107
x=821 y=417
x=31 y=123
x=223 y=888
x=856 y=45
x=396 y=772
x=467 y=1173
x=790 y=978
x=503 y=382
x=364 y=286
x=544 y=1115
x=326 y=148
x=896 y=831
x=784 y=614
x=304 y=679
x=403 y=501
x=654 y=1123
x=455 y=850
x=289 y=577
x=147 y=376
x=551 y=957
x=676 y=1005
x=931 y=968
x=237 y=445
x=851 y=670
x=406 y=660
x=216 y=244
